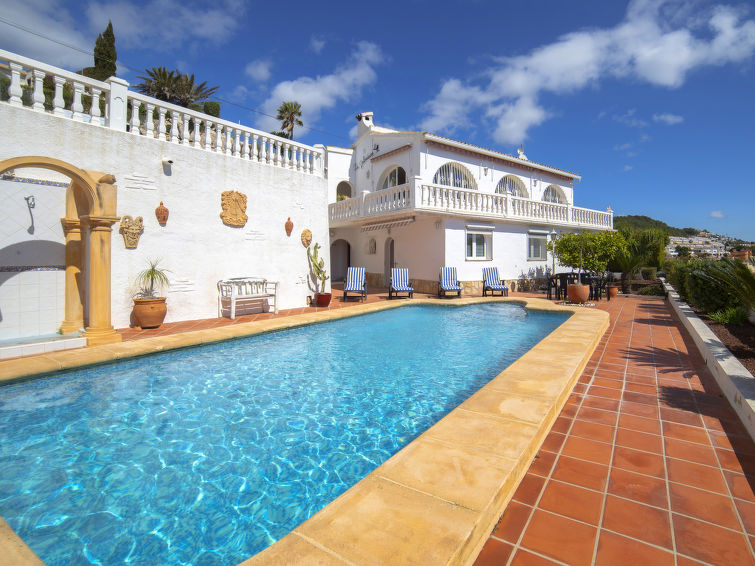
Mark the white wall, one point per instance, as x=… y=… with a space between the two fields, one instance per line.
x=338 y=165
x=418 y=246
x=195 y=245
x=32 y=251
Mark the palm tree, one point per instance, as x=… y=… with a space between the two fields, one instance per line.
x=288 y=114
x=159 y=83
x=173 y=87
x=187 y=92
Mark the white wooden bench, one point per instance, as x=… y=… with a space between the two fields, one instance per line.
x=243 y=290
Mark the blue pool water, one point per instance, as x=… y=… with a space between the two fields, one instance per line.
x=208 y=455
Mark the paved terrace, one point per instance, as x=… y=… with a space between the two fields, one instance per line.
x=646 y=463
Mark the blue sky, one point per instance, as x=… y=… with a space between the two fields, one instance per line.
x=650 y=101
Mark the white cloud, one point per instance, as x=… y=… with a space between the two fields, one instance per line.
x=667 y=118
x=320 y=93
x=168 y=24
x=316 y=44
x=659 y=42
x=628 y=167
x=629 y=119
x=259 y=70
x=717 y=214
x=162 y=24
x=50 y=19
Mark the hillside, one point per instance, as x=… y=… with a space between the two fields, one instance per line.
x=643 y=222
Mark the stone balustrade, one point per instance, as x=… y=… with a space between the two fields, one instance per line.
x=418 y=197
x=112 y=105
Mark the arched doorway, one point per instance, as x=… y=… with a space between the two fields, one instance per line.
x=343 y=190
x=389 y=261
x=339 y=260
x=90 y=213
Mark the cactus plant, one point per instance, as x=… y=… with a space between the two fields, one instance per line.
x=318 y=266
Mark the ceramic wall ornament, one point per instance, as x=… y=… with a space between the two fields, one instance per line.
x=306 y=237
x=234 y=208
x=132 y=229
x=289 y=226
x=161 y=213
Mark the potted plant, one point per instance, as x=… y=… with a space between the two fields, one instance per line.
x=317 y=264
x=587 y=250
x=149 y=309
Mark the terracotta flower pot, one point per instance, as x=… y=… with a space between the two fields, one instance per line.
x=613 y=290
x=150 y=313
x=578 y=293
x=322 y=299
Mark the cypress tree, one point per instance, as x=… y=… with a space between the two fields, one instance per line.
x=105 y=54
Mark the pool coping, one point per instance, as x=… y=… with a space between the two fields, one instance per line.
x=437 y=499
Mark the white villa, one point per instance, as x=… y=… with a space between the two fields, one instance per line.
x=81 y=184
x=422 y=201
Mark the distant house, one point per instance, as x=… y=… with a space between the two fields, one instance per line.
x=744 y=255
x=423 y=201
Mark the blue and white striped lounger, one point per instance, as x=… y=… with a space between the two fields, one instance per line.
x=400 y=282
x=448 y=282
x=355 y=282
x=491 y=282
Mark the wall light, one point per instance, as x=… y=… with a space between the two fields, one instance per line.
x=30 y=202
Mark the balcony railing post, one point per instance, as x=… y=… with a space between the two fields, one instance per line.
x=15 y=89
x=117 y=104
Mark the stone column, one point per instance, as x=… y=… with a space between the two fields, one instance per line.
x=74 y=307
x=99 y=330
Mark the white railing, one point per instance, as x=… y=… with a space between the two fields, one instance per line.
x=436 y=198
x=387 y=200
x=588 y=217
x=112 y=105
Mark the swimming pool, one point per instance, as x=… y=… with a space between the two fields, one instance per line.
x=200 y=462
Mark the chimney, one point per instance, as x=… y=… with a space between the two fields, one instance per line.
x=365 y=123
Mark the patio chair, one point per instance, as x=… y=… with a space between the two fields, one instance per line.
x=400 y=282
x=492 y=283
x=448 y=282
x=355 y=282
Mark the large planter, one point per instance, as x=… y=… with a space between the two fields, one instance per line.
x=322 y=299
x=578 y=293
x=150 y=313
x=613 y=290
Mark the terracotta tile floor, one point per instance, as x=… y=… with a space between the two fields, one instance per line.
x=374 y=294
x=646 y=464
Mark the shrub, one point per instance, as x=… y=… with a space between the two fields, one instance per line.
x=212 y=108
x=649 y=273
x=705 y=292
x=678 y=277
x=4 y=88
x=731 y=315
x=652 y=290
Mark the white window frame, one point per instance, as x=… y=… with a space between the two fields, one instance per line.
x=543 y=237
x=479 y=233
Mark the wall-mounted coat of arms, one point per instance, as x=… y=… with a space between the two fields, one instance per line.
x=234 y=208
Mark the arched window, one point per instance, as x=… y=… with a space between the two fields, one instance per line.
x=554 y=194
x=395 y=177
x=511 y=185
x=454 y=175
x=343 y=190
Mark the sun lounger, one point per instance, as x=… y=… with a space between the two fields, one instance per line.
x=492 y=283
x=448 y=282
x=355 y=282
x=400 y=282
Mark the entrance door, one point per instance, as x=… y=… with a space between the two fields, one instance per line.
x=339 y=260
x=389 y=261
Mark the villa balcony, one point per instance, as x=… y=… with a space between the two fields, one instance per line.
x=415 y=197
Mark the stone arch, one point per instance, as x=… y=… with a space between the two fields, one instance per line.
x=89 y=216
x=453 y=174
x=392 y=176
x=554 y=193
x=512 y=185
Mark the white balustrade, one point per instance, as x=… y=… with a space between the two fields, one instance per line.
x=149 y=117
